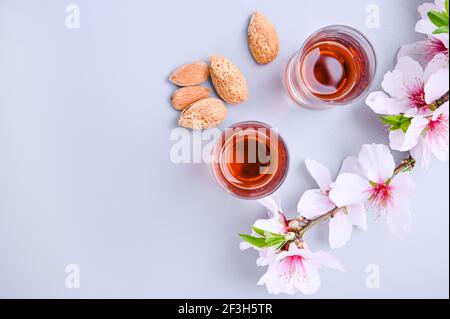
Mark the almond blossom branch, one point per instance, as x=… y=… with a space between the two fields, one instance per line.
x=301 y=225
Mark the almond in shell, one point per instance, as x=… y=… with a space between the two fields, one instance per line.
x=190 y=74
x=262 y=39
x=228 y=80
x=203 y=114
x=185 y=96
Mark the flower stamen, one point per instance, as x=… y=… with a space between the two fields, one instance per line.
x=416 y=95
x=380 y=196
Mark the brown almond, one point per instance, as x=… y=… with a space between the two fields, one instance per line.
x=228 y=80
x=206 y=113
x=190 y=74
x=262 y=39
x=184 y=97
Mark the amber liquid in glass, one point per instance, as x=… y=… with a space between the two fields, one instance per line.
x=329 y=70
x=250 y=161
x=335 y=66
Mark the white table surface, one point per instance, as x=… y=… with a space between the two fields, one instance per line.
x=85 y=172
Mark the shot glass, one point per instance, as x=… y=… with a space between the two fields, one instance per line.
x=250 y=160
x=335 y=66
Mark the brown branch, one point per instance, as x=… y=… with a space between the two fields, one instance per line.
x=439 y=102
x=406 y=165
x=308 y=224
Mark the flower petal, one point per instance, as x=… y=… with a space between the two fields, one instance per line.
x=439 y=135
x=320 y=173
x=274 y=225
x=411 y=70
x=266 y=256
x=377 y=162
x=402 y=187
x=404 y=142
x=393 y=84
x=425 y=26
x=272 y=206
x=416 y=50
x=310 y=282
x=422 y=153
x=443 y=110
x=275 y=278
x=351 y=165
x=314 y=203
x=415 y=130
x=398 y=218
x=244 y=246
x=380 y=103
x=437 y=85
x=436 y=137
x=349 y=189
x=396 y=139
x=438 y=63
x=358 y=215
x=425 y=8
x=340 y=230
x=440 y=151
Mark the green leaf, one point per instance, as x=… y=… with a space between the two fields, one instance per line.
x=271 y=237
x=446 y=6
x=263 y=242
x=259 y=231
x=391 y=119
x=439 y=19
x=396 y=122
x=274 y=241
x=443 y=29
x=405 y=125
x=254 y=241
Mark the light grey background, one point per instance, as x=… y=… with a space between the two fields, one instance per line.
x=85 y=173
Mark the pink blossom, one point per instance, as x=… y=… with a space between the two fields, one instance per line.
x=409 y=88
x=297 y=270
x=425 y=51
x=277 y=223
x=378 y=187
x=431 y=134
x=316 y=202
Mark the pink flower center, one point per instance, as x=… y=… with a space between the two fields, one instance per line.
x=416 y=95
x=435 y=47
x=436 y=124
x=292 y=268
x=437 y=130
x=380 y=195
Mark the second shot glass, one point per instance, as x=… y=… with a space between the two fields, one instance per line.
x=335 y=66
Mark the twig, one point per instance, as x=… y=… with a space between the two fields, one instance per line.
x=439 y=102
